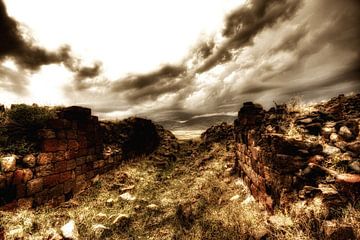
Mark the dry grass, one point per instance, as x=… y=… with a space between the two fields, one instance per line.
x=194 y=198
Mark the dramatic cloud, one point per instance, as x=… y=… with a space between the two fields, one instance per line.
x=20 y=48
x=245 y=23
x=266 y=50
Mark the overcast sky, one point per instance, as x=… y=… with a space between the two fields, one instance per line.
x=176 y=59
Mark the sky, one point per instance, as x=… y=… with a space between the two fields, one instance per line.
x=178 y=59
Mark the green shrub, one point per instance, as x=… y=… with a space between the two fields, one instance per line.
x=19 y=126
x=30 y=116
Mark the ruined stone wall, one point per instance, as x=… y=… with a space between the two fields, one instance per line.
x=71 y=154
x=269 y=162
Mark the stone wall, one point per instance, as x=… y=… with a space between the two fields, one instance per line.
x=286 y=156
x=71 y=153
x=269 y=162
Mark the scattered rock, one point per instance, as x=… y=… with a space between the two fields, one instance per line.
x=235 y=198
x=127 y=196
x=69 y=230
x=354 y=147
x=346 y=133
x=334 y=137
x=152 y=206
x=330 y=150
x=110 y=202
x=280 y=221
x=355 y=166
x=121 y=222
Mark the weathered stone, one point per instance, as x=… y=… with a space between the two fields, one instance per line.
x=51 y=180
x=355 y=166
x=335 y=138
x=22 y=176
x=76 y=113
x=286 y=163
x=70 y=165
x=60 y=167
x=59 y=156
x=330 y=150
x=327 y=131
x=45 y=158
x=66 y=176
x=317 y=159
x=73 y=145
x=29 y=160
x=34 y=186
x=121 y=222
x=53 y=145
x=345 y=132
x=69 y=230
x=354 y=147
x=8 y=164
x=44 y=170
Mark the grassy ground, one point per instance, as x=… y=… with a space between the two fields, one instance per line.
x=194 y=197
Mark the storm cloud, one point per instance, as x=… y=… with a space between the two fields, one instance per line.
x=265 y=51
x=28 y=56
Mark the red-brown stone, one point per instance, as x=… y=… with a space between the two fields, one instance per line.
x=45 y=158
x=22 y=176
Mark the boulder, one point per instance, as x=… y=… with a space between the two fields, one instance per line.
x=29 y=160
x=8 y=164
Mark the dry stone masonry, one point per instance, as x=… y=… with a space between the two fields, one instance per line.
x=71 y=154
x=284 y=156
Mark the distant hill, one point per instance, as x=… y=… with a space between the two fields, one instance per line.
x=197 y=123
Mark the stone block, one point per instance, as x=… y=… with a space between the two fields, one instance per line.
x=54 y=145
x=80 y=161
x=60 y=166
x=51 y=180
x=22 y=176
x=44 y=170
x=67 y=176
x=73 y=145
x=34 y=186
x=45 y=158
x=70 y=165
x=59 y=156
x=76 y=113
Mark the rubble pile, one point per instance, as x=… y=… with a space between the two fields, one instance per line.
x=218 y=133
x=321 y=159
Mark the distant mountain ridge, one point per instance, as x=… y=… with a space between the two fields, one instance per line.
x=197 y=123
